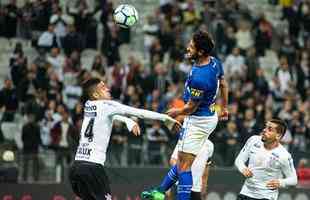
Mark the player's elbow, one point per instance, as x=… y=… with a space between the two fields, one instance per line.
x=294 y=180
x=291 y=181
x=223 y=83
x=190 y=107
x=236 y=163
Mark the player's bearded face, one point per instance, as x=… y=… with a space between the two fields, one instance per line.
x=191 y=52
x=269 y=134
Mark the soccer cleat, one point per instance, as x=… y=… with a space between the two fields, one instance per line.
x=153 y=194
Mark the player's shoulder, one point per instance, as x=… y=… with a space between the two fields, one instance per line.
x=216 y=60
x=100 y=103
x=255 y=138
x=110 y=102
x=282 y=151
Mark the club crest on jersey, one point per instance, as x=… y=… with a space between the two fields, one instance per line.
x=273 y=162
x=275 y=155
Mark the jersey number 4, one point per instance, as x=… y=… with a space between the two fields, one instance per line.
x=89 y=130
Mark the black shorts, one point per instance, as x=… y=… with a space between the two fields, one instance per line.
x=89 y=181
x=244 y=197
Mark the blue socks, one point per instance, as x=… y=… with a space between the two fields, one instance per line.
x=185 y=185
x=170 y=179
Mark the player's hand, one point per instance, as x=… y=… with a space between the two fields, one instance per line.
x=173 y=112
x=173 y=124
x=247 y=172
x=136 y=130
x=224 y=114
x=273 y=184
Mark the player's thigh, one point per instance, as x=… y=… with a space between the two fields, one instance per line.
x=194 y=134
x=100 y=185
x=192 y=142
x=89 y=181
x=79 y=182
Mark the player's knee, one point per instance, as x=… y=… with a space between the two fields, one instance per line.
x=185 y=161
x=184 y=166
x=173 y=161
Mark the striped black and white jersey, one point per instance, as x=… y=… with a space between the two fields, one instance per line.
x=97 y=126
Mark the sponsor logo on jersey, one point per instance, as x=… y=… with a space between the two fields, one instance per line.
x=84 y=151
x=90 y=108
x=196 y=92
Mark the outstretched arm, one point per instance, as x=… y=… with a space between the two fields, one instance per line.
x=122 y=109
x=130 y=124
x=189 y=108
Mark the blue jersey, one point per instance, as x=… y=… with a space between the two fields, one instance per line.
x=202 y=85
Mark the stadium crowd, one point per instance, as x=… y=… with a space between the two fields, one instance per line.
x=267 y=69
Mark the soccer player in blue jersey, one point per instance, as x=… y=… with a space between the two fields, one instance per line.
x=204 y=81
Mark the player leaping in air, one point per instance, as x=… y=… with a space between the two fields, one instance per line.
x=87 y=174
x=201 y=87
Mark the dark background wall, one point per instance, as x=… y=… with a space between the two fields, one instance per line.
x=127 y=183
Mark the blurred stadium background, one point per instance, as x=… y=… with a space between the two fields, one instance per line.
x=48 y=47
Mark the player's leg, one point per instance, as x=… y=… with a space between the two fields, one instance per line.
x=77 y=182
x=200 y=172
x=197 y=170
x=196 y=132
x=89 y=181
x=173 y=161
x=188 y=146
x=169 y=180
x=100 y=183
x=205 y=177
x=185 y=175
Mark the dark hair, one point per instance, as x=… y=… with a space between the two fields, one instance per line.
x=281 y=125
x=203 y=42
x=88 y=88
